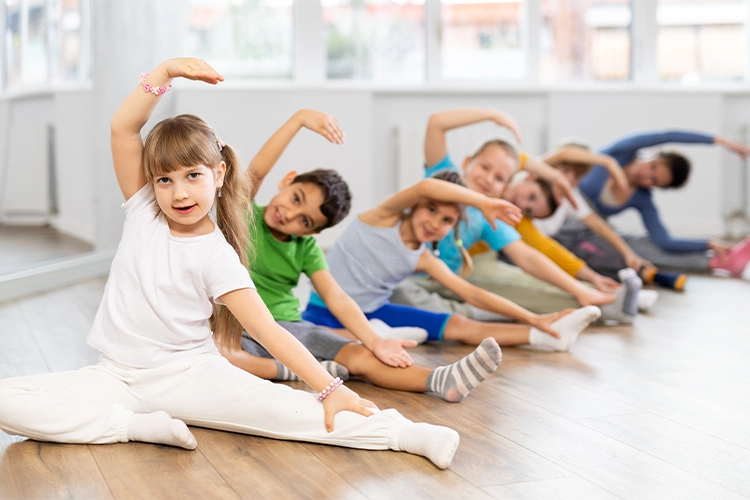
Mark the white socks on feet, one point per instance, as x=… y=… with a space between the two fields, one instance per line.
x=335 y=369
x=435 y=442
x=625 y=306
x=647 y=299
x=401 y=332
x=454 y=382
x=569 y=326
x=158 y=427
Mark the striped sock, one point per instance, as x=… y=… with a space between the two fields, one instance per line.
x=454 y=382
x=633 y=283
x=335 y=369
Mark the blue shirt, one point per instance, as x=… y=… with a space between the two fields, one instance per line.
x=624 y=151
x=475 y=229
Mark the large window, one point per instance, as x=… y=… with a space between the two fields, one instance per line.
x=482 y=39
x=584 y=40
x=378 y=40
x=45 y=42
x=245 y=38
x=701 y=41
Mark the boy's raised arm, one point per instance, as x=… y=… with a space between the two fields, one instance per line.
x=269 y=154
x=136 y=109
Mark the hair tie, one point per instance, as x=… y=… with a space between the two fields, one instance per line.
x=220 y=143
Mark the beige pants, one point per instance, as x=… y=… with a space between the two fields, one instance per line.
x=492 y=275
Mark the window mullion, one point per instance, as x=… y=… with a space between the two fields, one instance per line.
x=433 y=33
x=309 y=45
x=645 y=31
x=533 y=22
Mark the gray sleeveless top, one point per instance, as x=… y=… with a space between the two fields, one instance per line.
x=368 y=262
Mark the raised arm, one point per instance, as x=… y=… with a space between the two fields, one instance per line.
x=269 y=154
x=247 y=306
x=134 y=112
x=439 y=124
x=560 y=183
x=390 y=210
x=580 y=155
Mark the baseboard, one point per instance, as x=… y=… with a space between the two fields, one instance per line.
x=55 y=274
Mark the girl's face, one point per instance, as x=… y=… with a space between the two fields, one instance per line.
x=490 y=172
x=187 y=194
x=527 y=195
x=432 y=221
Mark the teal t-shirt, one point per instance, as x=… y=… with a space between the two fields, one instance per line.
x=473 y=230
x=278 y=266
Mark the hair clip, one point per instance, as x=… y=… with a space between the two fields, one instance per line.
x=220 y=143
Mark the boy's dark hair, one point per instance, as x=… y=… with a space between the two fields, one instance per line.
x=678 y=165
x=450 y=176
x=337 y=199
x=549 y=194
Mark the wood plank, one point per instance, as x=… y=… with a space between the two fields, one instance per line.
x=141 y=470
x=706 y=456
x=566 y=488
x=31 y=470
x=266 y=468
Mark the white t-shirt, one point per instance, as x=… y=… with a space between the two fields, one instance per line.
x=552 y=224
x=158 y=296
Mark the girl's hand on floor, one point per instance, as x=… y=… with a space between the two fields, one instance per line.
x=192 y=69
x=392 y=353
x=344 y=399
x=322 y=123
x=503 y=210
x=544 y=321
x=605 y=284
x=589 y=297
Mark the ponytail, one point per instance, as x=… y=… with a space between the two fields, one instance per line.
x=234 y=220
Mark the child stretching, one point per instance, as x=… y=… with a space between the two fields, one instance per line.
x=383 y=246
x=306 y=204
x=160 y=368
x=539 y=285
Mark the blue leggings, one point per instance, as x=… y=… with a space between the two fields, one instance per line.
x=393 y=315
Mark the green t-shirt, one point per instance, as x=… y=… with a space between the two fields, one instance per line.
x=278 y=265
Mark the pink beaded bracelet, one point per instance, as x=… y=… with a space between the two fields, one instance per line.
x=335 y=383
x=153 y=90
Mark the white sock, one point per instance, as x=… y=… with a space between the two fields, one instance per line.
x=483 y=315
x=625 y=306
x=454 y=382
x=400 y=332
x=435 y=442
x=569 y=326
x=159 y=427
x=335 y=369
x=647 y=299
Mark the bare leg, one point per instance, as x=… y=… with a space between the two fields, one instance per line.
x=471 y=332
x=260 y=367
x=362 y=363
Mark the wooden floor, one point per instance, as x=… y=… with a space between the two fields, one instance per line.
x=658 y=410
x=24 y=247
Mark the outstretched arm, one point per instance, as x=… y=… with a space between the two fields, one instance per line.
x=247 y=306
x=539 y=266
x=390 y=210
x=600 y=227
x=580 y=155
x=479 y=297
x=343 y=307
x=560 y=183
x=134 y=112
x=269 y=154
x=439 y=124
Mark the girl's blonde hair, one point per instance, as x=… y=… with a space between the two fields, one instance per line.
x=467 y=265
x=509 y=149
x=185 y=141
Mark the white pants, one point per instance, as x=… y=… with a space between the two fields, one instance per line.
x=94 y=404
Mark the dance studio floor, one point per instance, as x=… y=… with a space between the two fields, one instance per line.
x=658 y=410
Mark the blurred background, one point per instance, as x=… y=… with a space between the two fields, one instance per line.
x=593 y=69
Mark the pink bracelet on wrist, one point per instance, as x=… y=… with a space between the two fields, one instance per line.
x=153 y=90
x=335 y=383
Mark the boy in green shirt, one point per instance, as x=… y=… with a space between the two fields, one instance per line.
x=284 y=248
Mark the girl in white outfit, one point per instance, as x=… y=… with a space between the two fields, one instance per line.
x=177 y=277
